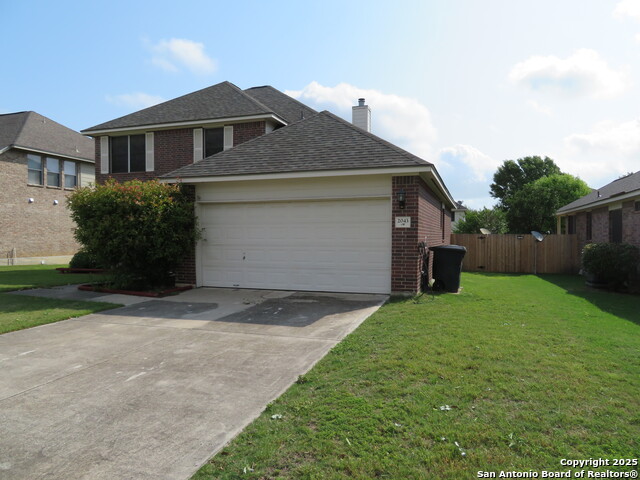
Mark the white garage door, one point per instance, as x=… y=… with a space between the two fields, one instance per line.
x=336 y=246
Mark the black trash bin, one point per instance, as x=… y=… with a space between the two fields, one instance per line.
x=447 y=265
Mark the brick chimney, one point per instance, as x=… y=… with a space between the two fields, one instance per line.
x=361 y=115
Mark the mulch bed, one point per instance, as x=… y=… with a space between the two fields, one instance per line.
x=80 y=270
x=161 y=293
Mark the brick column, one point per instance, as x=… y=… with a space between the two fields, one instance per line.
x=405 y=261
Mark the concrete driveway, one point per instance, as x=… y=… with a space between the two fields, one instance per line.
x=153 y=389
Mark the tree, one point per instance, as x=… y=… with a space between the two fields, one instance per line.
x=512 y=176
x=138 y=230
x=491 y=218
x=533 y=207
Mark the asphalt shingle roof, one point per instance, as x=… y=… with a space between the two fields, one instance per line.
x=223 y=100
x=282 y=104
x=320 y=142
x=32 y=131
x=618 y=187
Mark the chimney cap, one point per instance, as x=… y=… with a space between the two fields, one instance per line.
x=361 y=102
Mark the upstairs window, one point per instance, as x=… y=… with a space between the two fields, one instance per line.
x=213 y=141
x=53 y=172
x=70 y=174
x=128 y=154
x=34 y=165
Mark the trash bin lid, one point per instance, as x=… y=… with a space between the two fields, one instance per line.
x=449 y=248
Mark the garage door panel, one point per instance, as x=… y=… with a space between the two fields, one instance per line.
x=314 y=245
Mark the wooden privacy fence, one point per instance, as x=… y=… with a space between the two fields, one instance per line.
x=519 y=253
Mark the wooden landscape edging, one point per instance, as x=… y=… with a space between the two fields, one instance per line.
x=510 y=253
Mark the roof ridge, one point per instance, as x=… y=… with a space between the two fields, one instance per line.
x=245 y=94
x=378 y=139
x=288 y=96
x=21 y=128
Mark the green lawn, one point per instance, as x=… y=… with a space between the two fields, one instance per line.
x=18 y=311
x=21 y=277
x=516 y=372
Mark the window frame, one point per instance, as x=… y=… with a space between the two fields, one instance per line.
x=140 y=153
x=50 y=172
x=218 y=131
x=31 y=156
x=615 y=226
x=589 y=228
x=65 y=175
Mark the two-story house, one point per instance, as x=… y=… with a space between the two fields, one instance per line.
x=41 y=162
x=288 y=198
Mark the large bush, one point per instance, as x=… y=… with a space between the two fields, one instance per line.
x=492 y=219
x=613 y=263
x=139 y=230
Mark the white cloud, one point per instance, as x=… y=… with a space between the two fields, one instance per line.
x=465 y=159
x=401 y=120
x=637 y=37
x=607 y=151
x=540 y=108
x=627 y=8
x=135 y=100
x=174 y=53
x=585 y=73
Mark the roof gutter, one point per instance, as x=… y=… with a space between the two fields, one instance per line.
x=159 y=126
x=427 y=171
x=599 y=203
x=47 y=152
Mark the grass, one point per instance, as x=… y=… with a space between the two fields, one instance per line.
x=21 y=277
x=18 y=312
x=532 y=369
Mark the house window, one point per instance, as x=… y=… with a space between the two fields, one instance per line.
x=571 y=227
x=128 y=154
x=442 y=214
x=615 y=226
x=589 y=226
x=70 y=174
x=213 y=141
x=53 y=172
x=34 y=166
x=637 y=206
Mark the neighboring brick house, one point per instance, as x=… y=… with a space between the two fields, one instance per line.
x=609 y=214
x=288 y=198
x=41 y=162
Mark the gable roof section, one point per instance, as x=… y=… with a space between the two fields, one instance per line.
x=32 y=131
x=612 y=192
x=220 y=101
x=285 y=106
x=318 y=143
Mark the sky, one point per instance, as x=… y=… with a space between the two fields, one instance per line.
x=463 y=84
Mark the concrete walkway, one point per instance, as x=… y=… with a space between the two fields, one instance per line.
x=153 y=389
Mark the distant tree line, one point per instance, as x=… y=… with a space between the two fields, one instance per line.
x=529 y=191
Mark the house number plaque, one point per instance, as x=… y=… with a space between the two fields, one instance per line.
x=403 y=222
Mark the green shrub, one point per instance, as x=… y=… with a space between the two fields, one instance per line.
x=613 y=263
x=84 y=259
x=140 y=231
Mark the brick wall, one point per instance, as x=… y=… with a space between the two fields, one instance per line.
x=426 y=225
x=172 y=149
x=581 y=229
x=186 y=271
x=600 y=225
x=630 y=223
x=243 y=132
x=34 y=229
